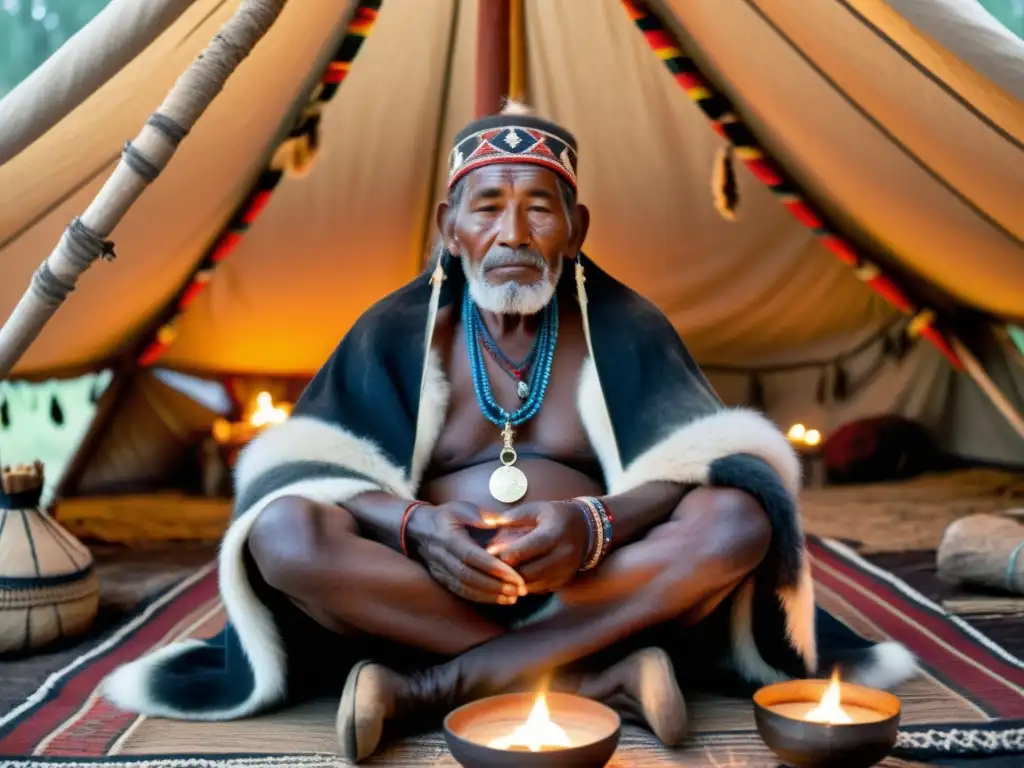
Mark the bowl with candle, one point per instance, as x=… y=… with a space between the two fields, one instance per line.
x=530 y=730
x=812 y=723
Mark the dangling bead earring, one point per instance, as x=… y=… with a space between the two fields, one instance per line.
x=581 y=298
x=436 y=279
x=581 y=278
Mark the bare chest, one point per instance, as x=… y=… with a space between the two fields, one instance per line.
x=556 y=433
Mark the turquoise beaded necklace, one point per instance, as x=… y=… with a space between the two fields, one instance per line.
x=508 y=483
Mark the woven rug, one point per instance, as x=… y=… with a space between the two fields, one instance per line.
x=970 y=698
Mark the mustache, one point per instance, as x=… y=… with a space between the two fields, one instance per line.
x=512 y=257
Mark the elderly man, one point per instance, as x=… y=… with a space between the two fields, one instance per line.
x=510 y=474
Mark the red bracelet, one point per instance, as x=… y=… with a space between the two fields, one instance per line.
x=405 y=524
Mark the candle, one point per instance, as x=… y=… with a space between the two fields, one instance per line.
x=537 y=734
x=800 y=435
x=532 y=730
x=819 y=724
x=804 y=710
x=830 y=710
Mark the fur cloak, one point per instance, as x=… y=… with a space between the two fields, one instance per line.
x=370 y=419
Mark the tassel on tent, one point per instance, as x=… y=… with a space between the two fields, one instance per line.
x=56 y=412
x=755 y=396
x=822 y=386
x=297 y=154
x=888 y=346
x=900 y=346
x=724 y=185
x=840 y=383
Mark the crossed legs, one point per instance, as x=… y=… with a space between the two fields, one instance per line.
x=678 y=572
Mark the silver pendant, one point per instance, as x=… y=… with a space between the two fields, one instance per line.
x=508 y=483
x=523 y=390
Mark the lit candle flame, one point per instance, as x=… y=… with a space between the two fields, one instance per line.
x=266 y=412
x=538 y=732
x=830 y=710
x=798 y=433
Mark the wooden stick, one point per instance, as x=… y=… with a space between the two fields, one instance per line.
x=143 y=160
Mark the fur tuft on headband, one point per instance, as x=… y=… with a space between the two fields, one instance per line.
x=513 y=107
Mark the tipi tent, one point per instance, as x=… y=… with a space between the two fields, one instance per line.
x=887 y=134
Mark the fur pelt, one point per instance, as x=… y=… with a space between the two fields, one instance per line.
x=371 y=418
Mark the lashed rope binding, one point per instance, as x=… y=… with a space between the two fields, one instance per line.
x=727 y=123
x=141 y=163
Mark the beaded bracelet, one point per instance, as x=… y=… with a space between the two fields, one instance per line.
x=592 y=528
x=405 y=524
x=606 y=525
x=600 y=538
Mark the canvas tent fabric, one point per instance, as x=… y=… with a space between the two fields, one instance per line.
x=82 y=68
x=908 y=133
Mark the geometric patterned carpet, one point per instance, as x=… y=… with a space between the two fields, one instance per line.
x=967 y=703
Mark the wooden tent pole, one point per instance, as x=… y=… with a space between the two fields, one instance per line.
x=517 y=52
x=143 y=159
x=492 y=56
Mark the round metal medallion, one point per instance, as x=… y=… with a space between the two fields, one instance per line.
x=508 y=484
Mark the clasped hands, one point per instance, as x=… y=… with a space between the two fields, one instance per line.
x=534 y=548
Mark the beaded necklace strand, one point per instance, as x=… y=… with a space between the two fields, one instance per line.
x=508 y=484
x=517 y=371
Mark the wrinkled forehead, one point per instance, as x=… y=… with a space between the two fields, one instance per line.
x=511 y=180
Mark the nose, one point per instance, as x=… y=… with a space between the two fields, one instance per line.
x=513 y=228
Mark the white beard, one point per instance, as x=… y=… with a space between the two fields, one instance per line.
x=511 y=298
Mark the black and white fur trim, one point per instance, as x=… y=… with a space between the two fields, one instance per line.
x=724 y=448
x=297 y=443
x=316 y=460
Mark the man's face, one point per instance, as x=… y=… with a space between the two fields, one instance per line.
x=512 y=230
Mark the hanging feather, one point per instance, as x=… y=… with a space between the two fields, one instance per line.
x=296 y=154
x=755 y=395
x=840 y=383
x=5 y=415
x=888 y=346
x=900 y=346
x=724 y=185
x=56 y=412
x=822 y=386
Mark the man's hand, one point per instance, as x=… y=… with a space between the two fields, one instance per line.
x=440 y=538
x=554 y=542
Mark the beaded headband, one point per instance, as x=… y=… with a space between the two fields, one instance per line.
x=513 y=139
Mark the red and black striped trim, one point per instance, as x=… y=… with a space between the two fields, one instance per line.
x=728 y=124
x=70 y=689
x=307 y=124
